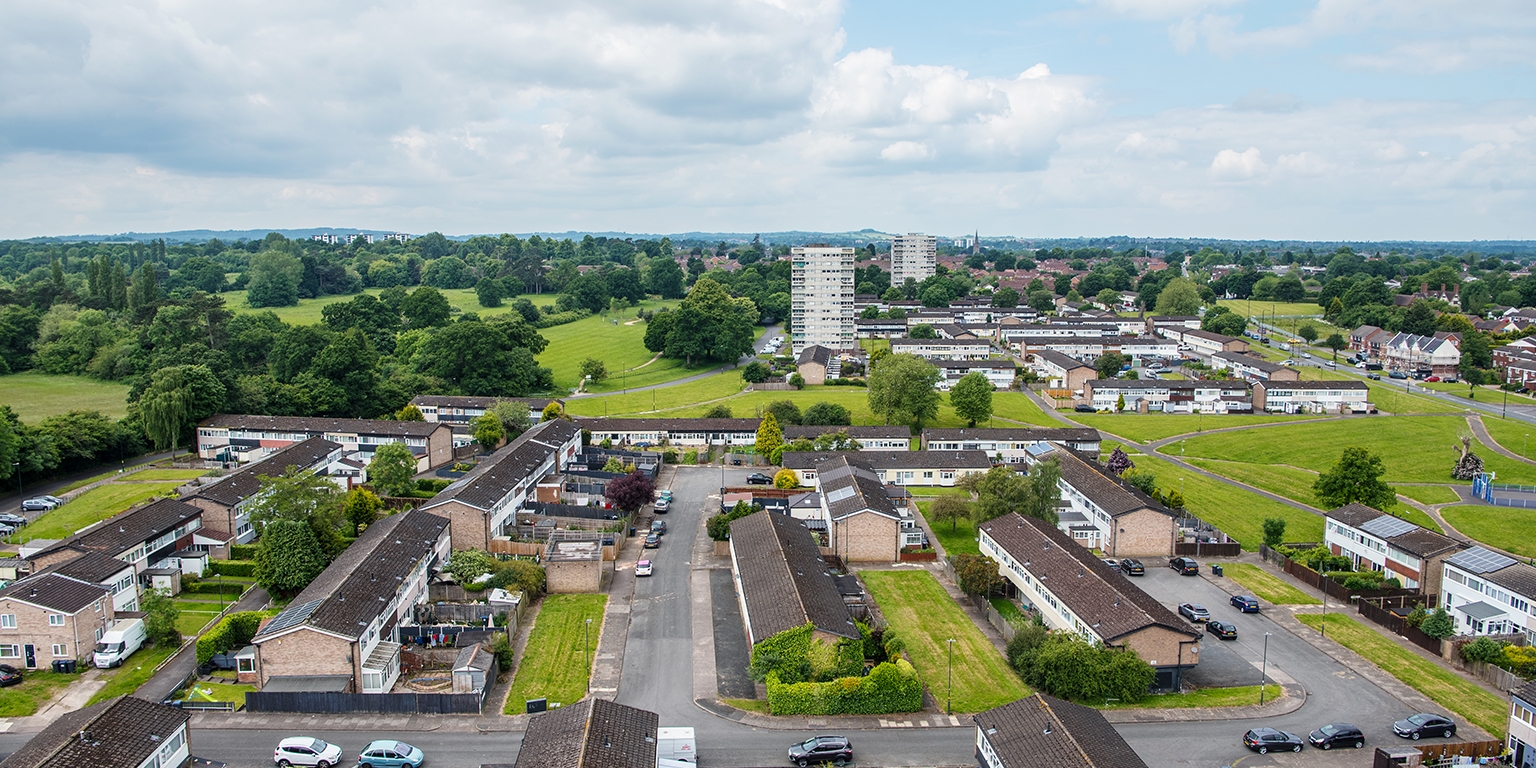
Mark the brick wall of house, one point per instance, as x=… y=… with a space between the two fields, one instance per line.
x=1159 y=646
x=78 y=634
x=573 y=576
x=867 y=538
x=466 y=525
x=439 y=449
x=218 y=520
x=813 y=373
x=1143 y=533
x=305 y=652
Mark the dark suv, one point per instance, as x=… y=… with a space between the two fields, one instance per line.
x=1132 y=567
x=837 y=750
x=1185 y=566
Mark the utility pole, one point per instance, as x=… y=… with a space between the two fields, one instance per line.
x=950 y=687
x=1264 y=669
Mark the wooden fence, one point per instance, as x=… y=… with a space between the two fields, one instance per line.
x=1474 y=749
x=1206 y=549
x=326 y=703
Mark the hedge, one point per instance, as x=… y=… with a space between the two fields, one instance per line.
x=231 y=633
x=233 y=567
x=889 y=687
x=243 y=551
x=213 y=588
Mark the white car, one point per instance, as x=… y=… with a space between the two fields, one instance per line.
x=306 y=750
x=643 y=568
x=1306 y=355
x=1287 y=361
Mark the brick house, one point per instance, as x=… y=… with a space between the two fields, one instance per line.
x=1061 y=371
x=1101 y=511
x=864 y=524
x=592 y=733
x=240 y=439
x=223 y=503
x=482 y=503
x=116 y=576
x=1072 y=590
x=124 y=732
x=154 y=535
x=812 y=364
x=337 y=634
x=782 y=582
x=50 y=616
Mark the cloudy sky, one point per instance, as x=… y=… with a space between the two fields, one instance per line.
x=1276 y=119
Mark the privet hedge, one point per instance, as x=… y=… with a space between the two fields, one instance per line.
x=889 y=687
x=231 y=633
x=243 y=551
x=233 y=567
x=229 y=589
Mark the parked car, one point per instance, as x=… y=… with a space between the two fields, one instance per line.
x=1130 y=566
x=1337 y=735
x=758 y=478
x=9 y=676
x=1330 y=364
x=643 y=568
x=1194 y=612
x=1185 y=566
x=13 y=520
x=652 y=541
x=306 y=750
x=1373 y=376
x=1288 y=361
x=1264 y=740
x=1114 y=565
x=662 y=506
x=1432 y=379
x=1245 y=603
x=667 y=495
x=1397 y=375
x=822 y=749
x=6 y=530
x=1360 y=365
x=1373 y=366
x=390 y=754
x=1083 y=408
x=659 y=527
x=1223 y=630
x=1424 y=724
x=1306 y=355
x=39 y=504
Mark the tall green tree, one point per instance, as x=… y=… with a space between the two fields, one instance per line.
x=288 y=558
x=274 y=280
x=1109 y=364
x=903 y=389
x=393 y=469
x=477 y=358
x=971 y=398
x=178 y=398
x=512 y=415
x=769 y=435
x=361 y=508
x=1355 y=478
x=488 y=431
x=300 y=496
x=1178 y=297
x=950 y=508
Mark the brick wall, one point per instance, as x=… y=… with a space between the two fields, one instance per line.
x=78 y=633
x=573 y=576
x=439 y=449
x=867 y=538
x=305 y=652
x=1159 y=646
x=466 y=525
x=218 y=519
x=1143 y=533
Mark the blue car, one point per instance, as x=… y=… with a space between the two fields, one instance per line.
x=1245 y=604
x=391 y=754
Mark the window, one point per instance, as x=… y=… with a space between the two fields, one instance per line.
x=10 y=651
x=7 y=621
x=55 y=619
x=60 y=650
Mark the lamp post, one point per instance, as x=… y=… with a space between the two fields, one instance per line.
x=1264 y=669
x=586 y=647
x=950 y=686
x=16 y=465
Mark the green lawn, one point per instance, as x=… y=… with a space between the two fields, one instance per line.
x=35 y=689
x=1018 y=407
x=1237 y=512
x=90 y=507
x=1007 y=609
x=934 y=490
x=1267 y=586
x=1508 y=528
x=35 y=395
x=190 y=622
x=1429 y=494
x=1276 y=308
x=206 y=692
x=925 y=617
x=134 y=672
x=1290 y=482
x=1515 y=436
x=759 y=706
x=1148 y=427
x=1238 y=696
x=1414 y=450
x=620 y=345
x=1390 y=398
x=555 y=661
x=681 y=396
x=959 y=541
x=1487 y=393
x=1449 y=690
x=167 y=474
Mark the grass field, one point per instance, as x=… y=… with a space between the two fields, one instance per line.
x=35 y=396
x=1290 y=482
x=1429 y=494
x=961 y=540
x=555 y=663
x=36 y=688
x=681 y=396
x=1238 y=696
x=134 y=672
x=1487 y=394
x=1277 y=308
x=1449 y=690
x=1267 y=586
x=925 y=617
x=1515 y=436
x=90 y=507
x=1392 y=399
x=166 y=474
x=1414 y=450
x=619 y=345
x=1237 y=512
x=1507 y=528
x=1018 y=407
x=1144 y=428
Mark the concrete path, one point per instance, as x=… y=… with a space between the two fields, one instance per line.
x=1480 y=430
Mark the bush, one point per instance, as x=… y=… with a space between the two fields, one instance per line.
x=243 y=551
x=1484 y=649
x=691 y=457
x=1438 y=625
x=1067 y=667
x=502 y=650
x=719 y=526
x=669 y=456
x=561 y=318
x=889 y=687
x=232 y=633
x=1521 y=660
x=233 y=567
x=847 y=383
x=786 y=479
x=432 y=485
x=1416 y=617
x=214 y=588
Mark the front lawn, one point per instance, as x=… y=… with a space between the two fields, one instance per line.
x=555 y=663
x=1147 y=427
x=35 y=689
x=90 y=507
x=1449 y=690
x=1267 y=586
x=134 y=672
x=925 y=617
x=200 y=691
x=958 y=538
x=1508 y=528
x=1237 y=696
x=166 y=474
x=1290 y=482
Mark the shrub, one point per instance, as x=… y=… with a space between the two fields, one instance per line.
x=691 y=457
x=561 y=318
x=719 y=526
x=1521 y=660
x=502 y=650
x=233 y=632
x=1438 y=625
x=1416 y=617
x=1068 y=667
x=785 y=655
x=432 y=485
x=243 y=551
x=233 y=567
x=889 y=687
x=214 y=588
x=786 y=478
x=1484 y=649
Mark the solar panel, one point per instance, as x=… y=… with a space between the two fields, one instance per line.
x=838 y=494
x=292 y=617
x=1479 y=560
x=1387 y=526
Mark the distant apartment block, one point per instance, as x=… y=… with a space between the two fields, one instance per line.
x=821 y=298
x=913 y=257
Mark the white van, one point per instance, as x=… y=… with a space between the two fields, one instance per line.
x=119 y=642
x=675 y=747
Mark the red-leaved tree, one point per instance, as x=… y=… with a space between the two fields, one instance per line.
x=630 y=492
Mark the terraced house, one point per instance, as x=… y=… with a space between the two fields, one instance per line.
x=51 y=616
x=240 y=439
x=1011 y=444
x=224 y=502
x=683 y=433
x=484 y=502
x=1489 y=594
x=1101 y=511
x=1374 y=541
x=462 y=409
x=160 y=534
x=941 y=468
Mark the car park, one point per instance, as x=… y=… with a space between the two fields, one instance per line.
x=643 y=568
x=389 y=753
x=1222 y=630
x=652 y=541
x=1245 y=603
x=1265 y=740
x=1337 y=735
x=306 y=750
x=837 y=750
x=758 y=478
x=1130 y=566
x=1185 y=566
x=1424 y=724
x=13 y=520
x=1194 y=612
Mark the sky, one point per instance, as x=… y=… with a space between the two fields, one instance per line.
x=1323 y=119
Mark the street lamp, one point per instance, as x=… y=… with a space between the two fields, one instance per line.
x=586 y=647
x=1264 y=669
x=19 y=493
x=950 y=687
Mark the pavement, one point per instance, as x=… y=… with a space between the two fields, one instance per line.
x=179 y=667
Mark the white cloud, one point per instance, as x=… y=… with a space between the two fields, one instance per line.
x=1231 y=165
x=906 y=150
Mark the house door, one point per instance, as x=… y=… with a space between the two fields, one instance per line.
x=31 y=656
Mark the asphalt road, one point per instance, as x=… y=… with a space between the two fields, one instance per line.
x=11 y=502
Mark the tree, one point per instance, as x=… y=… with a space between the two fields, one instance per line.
x=160 y=615
x=1005 y=297
x=300 y=496
x=1178 y=297
x=904 y=389
x=274 y=280
x=977 y=574
x=467 y=565
x=1002 y=490
x=796 y=380
x=409 y=413
x=1109 y=364
x=614 y=464
x=425 y=308
x=288 y=558
x=786 y=479
x=1470 y=465
x=1475 y=352
x=785 y=411
x=1356 y=477
x=826 y=414
x=769 y=435
x=478 y=358
x=718 y=411
x=1335 y=342
x=488 y=431
x=489 y=292
x=361 y=508
x=1419 y=318
x=755 y=372
x=950 y=508
x=664 y=277
x=631 y=491
x=922 y=331
x=1307 y=332
x=1438 y=625
x=1107 y=298
x=972 y=398
x=592 y=368
x=393 y=469
x=178 y=398
x=552 y=411
x=1274 y=531
x=512 y=415
x=1119 y=462
x=1224 y=321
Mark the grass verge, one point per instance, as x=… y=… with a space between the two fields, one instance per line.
x=166 y=474
x=1429 y=494
x=555 y=661
x=759 y=706
x=1236 y=696
x=925 y=617
x=1267 y=586
x=1508 y=526
x=1445 y=688
x=35 y=689
x=35 y=395
x=1146 y=427
x=134 y=672
x=1237 y=512
x=90 y=507
x=958 y=538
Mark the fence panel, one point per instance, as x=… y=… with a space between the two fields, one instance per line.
x=1382 y=616
x=1203 y=549
x=1417 y=637
x=329 y=703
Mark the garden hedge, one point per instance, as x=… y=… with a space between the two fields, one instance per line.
x=233 y=589
x=233 y=632
x=889 y=687
x=243 y=551
x=233 y=567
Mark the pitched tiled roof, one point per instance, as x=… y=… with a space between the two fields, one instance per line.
x=850 y=486
x=126 y=530
x=240 y=485
x=93 y=567
x=1353 y=514
x=1519 y=578
x=1102 y=487
x=1016 y=434
x=881 y=460
x=794 y=432
x=125 y=731
x=1059 y=360
x=1249 y=361
x=784 y=581
x=1354 y=385
x=55 y=592
x=1527 y=693
x=1045 y=731
x=465 y=401
x=1413 y=539
x=319 y=424
x=592 y=733
x=357 y=585
x=1110 y=604
x=497 y=475
x=815 y=353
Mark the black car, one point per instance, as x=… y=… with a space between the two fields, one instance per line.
x=1337 y=735
x=659 y=527
x=1194 y=612
x=9 y=676
x=1223 y=630
x=652 y=541
x=758 y=478
x=1264 y=740
x=13 y=520
x=1425 y=724
x=837 y=750
x=1185 y=566
x=1245 y=603
x=1130 y=566
x=1083 y=408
